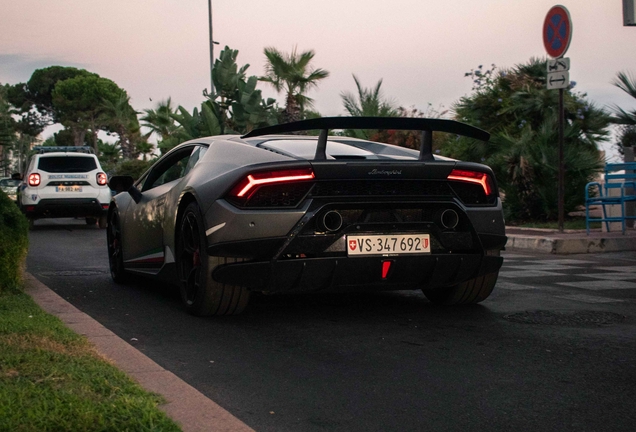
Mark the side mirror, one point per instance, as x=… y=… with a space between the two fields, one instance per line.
x=125 y=184
x=120 y=183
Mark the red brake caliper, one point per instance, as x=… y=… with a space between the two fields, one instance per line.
x=196 y=259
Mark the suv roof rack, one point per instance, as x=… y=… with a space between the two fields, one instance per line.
x=65 y=149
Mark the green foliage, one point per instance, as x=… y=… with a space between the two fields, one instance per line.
x=14 y=230
x=53 y=380
x=626 y=137
x=108 y=153
x=35 y=96
x=626 y=82
x=120 y=118
x=132 y=167
x=79 y=104
x=161 y=122
x=235 y=106
x=7 y=131
x=292 y=74
x=521 y=114
x=369 y=102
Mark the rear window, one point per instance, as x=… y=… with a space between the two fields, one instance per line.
x=65 y=164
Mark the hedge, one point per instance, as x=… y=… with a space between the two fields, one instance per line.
x=14 y=242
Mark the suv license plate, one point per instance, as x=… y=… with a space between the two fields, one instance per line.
x=388 y=244
x=68 y=188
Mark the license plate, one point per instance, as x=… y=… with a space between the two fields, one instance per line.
x=396 y=244
x=68 y=188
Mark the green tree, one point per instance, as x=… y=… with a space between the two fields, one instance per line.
x=292 y=74
x=7 y=132
x=626 y=136
x=368 y=102
x=120 y=118
x=234 y=106
x=626 y=82
x=108 y=153
x=35 y=96
x=236 y=102
x=515 y=106
x=162 y=124
x=79 y=104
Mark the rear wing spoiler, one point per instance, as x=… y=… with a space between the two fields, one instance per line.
x=425 y=125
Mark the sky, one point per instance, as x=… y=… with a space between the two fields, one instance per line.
x=421 y=49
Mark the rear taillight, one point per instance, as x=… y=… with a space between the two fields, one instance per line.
x=280 y=188
x=102 y=179
x=34 y=179
x=474 y=177
x=253 y=181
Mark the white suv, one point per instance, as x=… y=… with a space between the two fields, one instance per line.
x=65 y=182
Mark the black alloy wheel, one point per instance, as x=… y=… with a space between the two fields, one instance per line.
x=115 y=250
x=189 y=258
x=200 y=293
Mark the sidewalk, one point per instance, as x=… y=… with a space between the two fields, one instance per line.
x=570 y=241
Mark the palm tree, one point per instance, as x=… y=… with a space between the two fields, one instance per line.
x=626 y=82
x=292 y=74
x=369 y=102
x=122 y=119
x=160 y=120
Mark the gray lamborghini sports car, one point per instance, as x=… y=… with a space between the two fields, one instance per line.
x=271 y=212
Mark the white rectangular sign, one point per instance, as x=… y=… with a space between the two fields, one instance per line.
x=558 y=80
x=559 y=65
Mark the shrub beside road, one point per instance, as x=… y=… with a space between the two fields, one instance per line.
x=51 y=378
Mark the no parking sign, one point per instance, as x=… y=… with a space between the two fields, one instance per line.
x=557 y=31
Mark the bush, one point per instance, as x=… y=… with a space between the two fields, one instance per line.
x=131 y=167
x=14 y=243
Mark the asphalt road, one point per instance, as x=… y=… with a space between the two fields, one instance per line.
x=552 y=349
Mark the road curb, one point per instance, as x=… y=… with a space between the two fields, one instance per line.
x=576 y=245
x=188 y=407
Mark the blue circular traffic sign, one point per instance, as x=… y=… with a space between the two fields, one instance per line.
x=557 y=31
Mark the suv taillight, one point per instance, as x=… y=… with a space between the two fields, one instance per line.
x=102 y=179
x=34 y=179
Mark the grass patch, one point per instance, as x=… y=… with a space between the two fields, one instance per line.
x=51 y=379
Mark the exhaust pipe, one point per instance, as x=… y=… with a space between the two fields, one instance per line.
x=331 y=221
x=448 y=219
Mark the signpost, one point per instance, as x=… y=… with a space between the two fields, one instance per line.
x=557 y=34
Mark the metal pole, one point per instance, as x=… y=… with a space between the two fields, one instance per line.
x=211 y=45
x=561 y=164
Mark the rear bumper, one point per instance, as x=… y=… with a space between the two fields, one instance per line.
x=75 y=207
x=357 y=274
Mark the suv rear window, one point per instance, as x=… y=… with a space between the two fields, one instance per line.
x=65 y=164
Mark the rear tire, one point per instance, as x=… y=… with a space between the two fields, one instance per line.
x=470 y=292
x=103 y=221
x=91 y=221
x=115 y=249
x=31 y=223
x=202 y=295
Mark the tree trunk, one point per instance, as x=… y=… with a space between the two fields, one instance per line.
x=292 y=109
x=78 y=137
